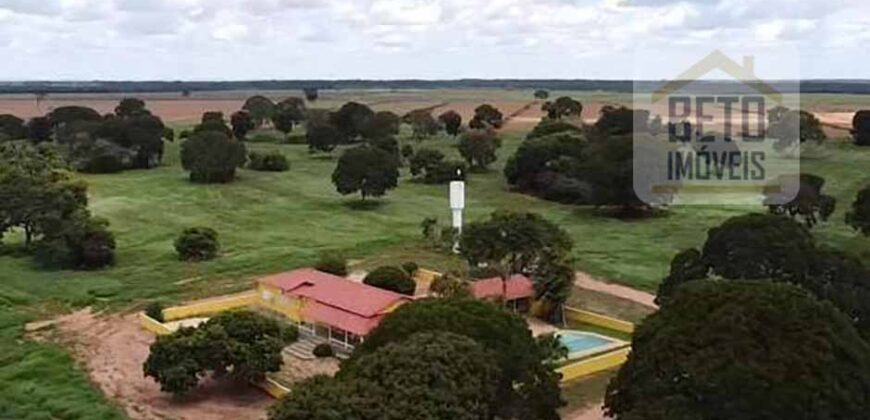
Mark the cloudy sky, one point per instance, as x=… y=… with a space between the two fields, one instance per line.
x=427 y=39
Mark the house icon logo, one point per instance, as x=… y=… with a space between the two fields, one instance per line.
x=717 y=60
x=713 y=139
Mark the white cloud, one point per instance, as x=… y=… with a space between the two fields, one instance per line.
x=408 y=38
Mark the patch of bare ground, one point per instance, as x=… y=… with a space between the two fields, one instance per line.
x=112 y=349
x=586 y=281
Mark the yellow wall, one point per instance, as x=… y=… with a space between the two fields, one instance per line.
x=273 y=388
x=211 y=306
x=594 y=364
x=278 y=302
x=153 y=325
x=587 y=317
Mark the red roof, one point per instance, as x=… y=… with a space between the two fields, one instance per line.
x=518 y=287
x=336 y=301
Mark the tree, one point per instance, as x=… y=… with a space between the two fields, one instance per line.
x=12 y=127
x=486 y=116
x=310 y=94
x=619 y=121
x=36 y=190
x=756 y=246
x=791 y=127
x=197 y=244
x=368 y=170
x=423 y=124
x=242 y=123
x=608 y=174
x=548 y=154
x=429 y=375
x=213 y=121
x=318 y=397
x=68 y=114
x=541 y=94
x=702 y=357
x=269 y=162
x=78 y=241
x=332 y=263
x=211 y=156
x=287 y=113
x=450 y=285
x=391 y=278
x=562 y=107
x=478 y=147
x=322 y=136
x=518 y=243
x=526 y=387
x=764 y=247
x=547 y=127
x=131 y=107
x=861 y=128
x=685 y=266
x=39 y=129
x=244 y=344
x=260 y=108
x=809 y=203
x=424 y=160
x=859 y=217
x=351 y=120
x=382 y=124
x=553 y=278
x=452 y=122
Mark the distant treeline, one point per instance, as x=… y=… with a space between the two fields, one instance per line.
x=627 y=86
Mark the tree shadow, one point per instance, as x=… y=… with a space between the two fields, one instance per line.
x=364 y=205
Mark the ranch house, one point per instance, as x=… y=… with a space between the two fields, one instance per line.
x=328 y=306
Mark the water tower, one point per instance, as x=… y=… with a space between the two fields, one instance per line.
x=457 y=204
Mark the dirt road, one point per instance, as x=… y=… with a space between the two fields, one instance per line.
x=586 y=281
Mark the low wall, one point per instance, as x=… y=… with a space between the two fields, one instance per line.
x=211 y=306
x=153 y=325
x=603 y=321
x=273 y=388
x=595 y=364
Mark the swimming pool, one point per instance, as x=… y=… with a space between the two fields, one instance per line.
x=582 y=343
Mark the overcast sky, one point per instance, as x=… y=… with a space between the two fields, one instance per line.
x=427 y=39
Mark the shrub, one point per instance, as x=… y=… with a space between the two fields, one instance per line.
x=859 y=217
x=323 y=350
x=155 y=311
x=269 y=162
x=446 y=171
x=391 y=278
x=332 y=263
x=410 y=267
x=212 y=156
x=197 y=244
x=861 y=128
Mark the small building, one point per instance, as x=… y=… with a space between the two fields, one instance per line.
x=332 y=307
x=517 y=292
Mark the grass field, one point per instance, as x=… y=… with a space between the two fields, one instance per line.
x=277 y=221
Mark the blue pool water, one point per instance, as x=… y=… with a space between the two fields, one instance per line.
x=577 y=341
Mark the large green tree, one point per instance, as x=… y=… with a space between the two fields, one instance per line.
x=391 y=278
x=371 y=171
x=526 y=386
x=743 y=350
x=427 y=376
x=287 y=113
x=260 y=108
x=12 y=127
x=859 y=216
x=212 y=156
x=351 y=120
x=242 y=343
x=383 y=124
x=478 y=147
x=485 y=117
x=809 y=204
x=452 y=122
x=766 y=247
x=242 y=123
x=861 y=127
x=563 y=107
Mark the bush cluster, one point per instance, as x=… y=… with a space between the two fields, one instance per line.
x=269 y=162
x=197 y=244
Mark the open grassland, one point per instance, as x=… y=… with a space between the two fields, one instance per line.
x=276 y=221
